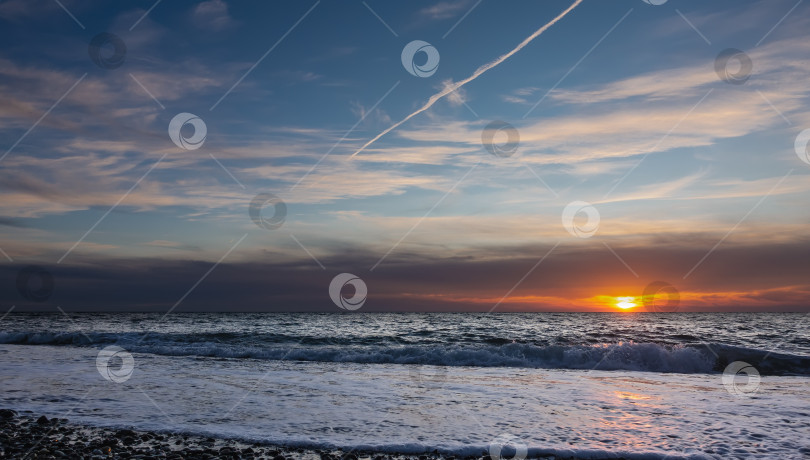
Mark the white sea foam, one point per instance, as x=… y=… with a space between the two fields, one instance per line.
x=647 y=357
x=417 y=408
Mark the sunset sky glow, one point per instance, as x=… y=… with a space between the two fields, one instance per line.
x=696 y=182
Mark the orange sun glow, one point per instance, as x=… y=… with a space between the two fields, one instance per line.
x=625 y=303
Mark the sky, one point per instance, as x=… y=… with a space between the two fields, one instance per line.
x=451 y=155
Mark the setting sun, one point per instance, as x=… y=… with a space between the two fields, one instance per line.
x=625 y=303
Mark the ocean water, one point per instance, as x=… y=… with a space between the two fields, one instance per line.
x=595 y=385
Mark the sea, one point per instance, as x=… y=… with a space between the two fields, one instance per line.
x=592 y=385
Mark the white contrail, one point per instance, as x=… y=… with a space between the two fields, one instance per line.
x=454 y=86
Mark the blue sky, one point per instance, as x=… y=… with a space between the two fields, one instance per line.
x=634 y=120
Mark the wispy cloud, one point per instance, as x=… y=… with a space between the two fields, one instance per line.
x=444 y=9
x=212 y=15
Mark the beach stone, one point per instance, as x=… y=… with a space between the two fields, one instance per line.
x=125 y=433
x=129 y=440
x=7 y=414
x=43 y=420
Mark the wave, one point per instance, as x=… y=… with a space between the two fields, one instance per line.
x=630 y=356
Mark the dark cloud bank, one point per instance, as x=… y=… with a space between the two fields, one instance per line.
x=773 y=277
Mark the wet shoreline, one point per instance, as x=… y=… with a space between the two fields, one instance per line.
x=27 y=435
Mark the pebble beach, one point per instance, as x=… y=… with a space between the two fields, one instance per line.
x=28 y=436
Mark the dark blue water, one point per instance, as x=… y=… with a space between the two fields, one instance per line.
x=776 y=343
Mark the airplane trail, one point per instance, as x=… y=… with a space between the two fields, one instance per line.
x=454 y=86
